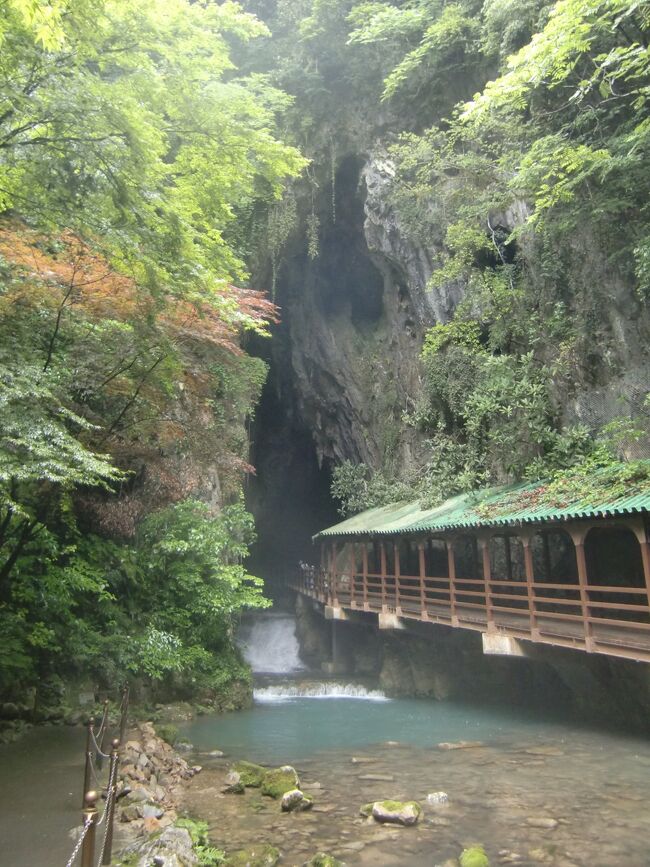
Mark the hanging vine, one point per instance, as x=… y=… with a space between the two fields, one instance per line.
x=282 y=221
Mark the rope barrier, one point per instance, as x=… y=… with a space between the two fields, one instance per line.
x=87 y=823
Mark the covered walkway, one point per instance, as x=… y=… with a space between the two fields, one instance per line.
x=500 y=563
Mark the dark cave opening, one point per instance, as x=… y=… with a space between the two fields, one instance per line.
x=289 y=495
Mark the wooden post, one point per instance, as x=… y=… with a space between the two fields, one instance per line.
x=451 y=567
x=334 y=588
x=111 y=797
x=526 y=540
x=353 y=570
x=484 y=542
x=424 y=613
x=382 y=559
x=578 y=536
x=90 y=817
x=89 y=759
x=364 y=568
x=398 y=609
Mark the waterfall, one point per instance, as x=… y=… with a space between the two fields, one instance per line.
x=269 y=644
x=317 y=689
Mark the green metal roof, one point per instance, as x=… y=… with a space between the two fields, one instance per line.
x=489 y=507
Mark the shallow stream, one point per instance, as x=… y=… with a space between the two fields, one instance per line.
x=532 y=791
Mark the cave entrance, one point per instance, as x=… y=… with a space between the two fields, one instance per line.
x=289 y=495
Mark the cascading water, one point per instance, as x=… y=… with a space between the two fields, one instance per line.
x=317 y=689
x=269 y=644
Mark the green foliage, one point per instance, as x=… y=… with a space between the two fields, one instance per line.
x=208 y=855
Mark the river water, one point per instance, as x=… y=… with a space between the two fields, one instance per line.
x=534 y=790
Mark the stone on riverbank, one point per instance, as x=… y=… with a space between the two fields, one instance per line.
x=172 y=848
x=393 y=812
x=474 y=856
x=234 y=784
x=296 y=801
x=261 y=855
x=250 y=774
x=280 y=780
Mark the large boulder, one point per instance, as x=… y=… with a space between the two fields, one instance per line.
x=280 y=780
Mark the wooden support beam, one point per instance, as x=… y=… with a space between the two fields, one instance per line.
x=422 y=569
x=451 y=567
x=382 y=558
x=397 y=574
x=353 y=570
x=526 y=541
x=578 y=535
x=364 y=568
x=484 y=542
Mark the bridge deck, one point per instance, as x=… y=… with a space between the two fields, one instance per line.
x=610 y=620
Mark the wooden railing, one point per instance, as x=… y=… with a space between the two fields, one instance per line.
x=608 y=619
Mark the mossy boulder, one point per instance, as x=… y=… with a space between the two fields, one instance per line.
x=250 y=774
x=474 y=856
x=366 y=810
x=280 y=780
x=397 y=812
x=322 y=859
x=261 y=855
x=296 y=801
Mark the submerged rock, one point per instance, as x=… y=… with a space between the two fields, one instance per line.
x=322 y=859
x=461 y=745
x=474 y=856
x=437 y=798
x=396 y=812
x=296 y=801
x=280 y=780
x=251 y=775
x=261 y=855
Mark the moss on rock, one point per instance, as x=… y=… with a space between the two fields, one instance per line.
x=474 y=856
x=280 y=780
x=250 y=774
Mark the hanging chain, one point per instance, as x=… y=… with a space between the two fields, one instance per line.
x=87 y=823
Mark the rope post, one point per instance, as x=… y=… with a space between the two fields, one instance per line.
x=111 y=798
x=90 y=817
x=125 y=711
x=89 y=759
x=103 y=729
